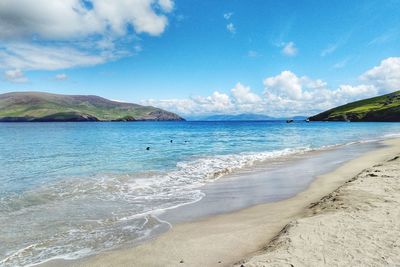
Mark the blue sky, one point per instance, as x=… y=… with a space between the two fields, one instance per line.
x=204 y=57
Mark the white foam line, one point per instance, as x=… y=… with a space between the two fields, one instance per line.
x=219 y=172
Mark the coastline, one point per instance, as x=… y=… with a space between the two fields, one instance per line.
x=356 y=225
x=228 y=238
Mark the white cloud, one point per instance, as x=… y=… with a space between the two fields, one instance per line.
x=138 y=13
x=72 y=18
x=289 y=49
x=241 y=100
x=46 y=18
x=385 y=77
x=228 y=15
x=94 y=31
x=61 y=77
x=329 y=50
x=288 y=94
x=166 y=5
x=231 y=28
x=40 y=57
x=215 y=103
x=286 y=84
x=180 y=106
x=388 y=36
x=243 y=95
x=350 y=92
x=15 y=76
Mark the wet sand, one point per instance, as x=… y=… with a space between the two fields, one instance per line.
x=356 y=225
x=224 y=240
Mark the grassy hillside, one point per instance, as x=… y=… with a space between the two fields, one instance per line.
x=381 y=108
x=37 y=106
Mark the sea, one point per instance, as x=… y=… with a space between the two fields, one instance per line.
x=70 y=190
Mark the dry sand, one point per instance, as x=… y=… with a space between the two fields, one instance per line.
x=356 y=224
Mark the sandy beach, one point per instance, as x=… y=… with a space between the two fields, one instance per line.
x=173 y=133
x=356 y=225
x=345 y=217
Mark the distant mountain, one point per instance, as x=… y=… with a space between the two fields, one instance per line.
x=242 y=117
x=239 y=117
x=381 y=108
x=37 y=106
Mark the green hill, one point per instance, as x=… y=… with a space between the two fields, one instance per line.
x=37 y=106
x=381 y=108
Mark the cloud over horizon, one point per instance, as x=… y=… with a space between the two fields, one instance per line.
x=288 y=94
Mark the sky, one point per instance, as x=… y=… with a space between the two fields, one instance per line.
x=200 y=57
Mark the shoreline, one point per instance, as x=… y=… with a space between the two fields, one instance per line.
x=225 y=239
x=355 y=225
x=266 y=181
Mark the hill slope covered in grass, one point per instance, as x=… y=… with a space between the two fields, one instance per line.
x=381 y=108
x=37 y=106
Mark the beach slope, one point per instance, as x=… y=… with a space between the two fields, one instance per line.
x=356 y=225
x=352 y=224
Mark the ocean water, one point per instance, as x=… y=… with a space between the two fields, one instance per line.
x=68 y=190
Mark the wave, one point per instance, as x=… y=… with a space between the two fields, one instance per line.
x=188 y=175
x=391 y=135
x=106 y=210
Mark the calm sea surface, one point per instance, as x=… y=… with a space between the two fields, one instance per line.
x=72 y=189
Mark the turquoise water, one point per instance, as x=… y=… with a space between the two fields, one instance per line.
x=72 y=189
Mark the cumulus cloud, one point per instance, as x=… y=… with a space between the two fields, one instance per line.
x=72 y=18
x=94 y=30
x=241 y=99
x=288 y=94
x=289 y=49
x=243 y=94
x=166 y=5
x=286 y=84
x=385 y=77
x=350 y=92
x=215 y=103
x=15 y=76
